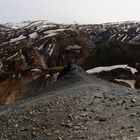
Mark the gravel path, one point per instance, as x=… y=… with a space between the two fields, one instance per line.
x=77 y=107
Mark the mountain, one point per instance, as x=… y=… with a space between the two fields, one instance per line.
x=33 y=53
x=17 y=24
x=123 y=32
x=61 y=81
x=77 y=106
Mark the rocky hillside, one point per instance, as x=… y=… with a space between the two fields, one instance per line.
x=31 y=56
x=59 y=100
x=77 y=107
x=122 y=32
x=33 y=53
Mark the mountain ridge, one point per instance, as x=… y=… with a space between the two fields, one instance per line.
x=38 y=51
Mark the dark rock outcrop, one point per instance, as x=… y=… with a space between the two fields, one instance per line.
x=113 y=53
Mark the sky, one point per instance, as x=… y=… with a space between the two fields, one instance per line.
x=70 y=11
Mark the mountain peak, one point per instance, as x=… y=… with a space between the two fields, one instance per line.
x=16 y=25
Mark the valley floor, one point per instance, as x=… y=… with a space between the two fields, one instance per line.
x=77 y=107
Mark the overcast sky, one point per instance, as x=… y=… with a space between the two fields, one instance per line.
x=68 y=11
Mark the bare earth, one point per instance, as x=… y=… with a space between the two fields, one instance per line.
x=77 y=107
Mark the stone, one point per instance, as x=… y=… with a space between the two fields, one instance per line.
x=132 y=130
x=59 y=138
x=16 y=125
x=121 y=102
x=133 y=100
x=69 y=125
x=70 y=117
x=76 y=127
x=112 y=136
x=101 y=119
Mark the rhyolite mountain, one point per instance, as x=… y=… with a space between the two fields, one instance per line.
x=123 y=32
x=33 y=53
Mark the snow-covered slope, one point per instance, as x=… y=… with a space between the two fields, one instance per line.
x=17 y=25
x=121 y=31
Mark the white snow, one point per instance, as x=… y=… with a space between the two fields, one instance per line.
x=119 y=36
x=50 y=35
x=17 y=42
x=56 y=76
x=138 y=29
x=36 y=70
x=111 y=37
x=41 y=47
x=23 y=58
x=18 y=25
x=109 y=68
x=1 y=65
x=35 y=77
x=12 y=56
x=19 y=76
x=125 y=30
x=136 y=38
x=33 y=35
x=124 y=38
x=53 y=31
x=49 y=48
x=45 y=26
x=128 y=26
x=13 y=76
x=47 y=75
x=4 y=43
x=37 y=23
x=73 y=47
x=17 y=39
x=51 y=51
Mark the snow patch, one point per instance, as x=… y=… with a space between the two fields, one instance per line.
x=109 y=68
x=17 y=25
x=111 y=37
x=50 y=35
x=46 y=26
x=38 y=24
x=54 y=31
x=21 y=37
x=33 y=35
x=73 y=47
x=124 y=38
x=41 y=47
x=138 y=29
x=51 y=50
x=136 y=38
x=12 y=56
x=36 y=70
